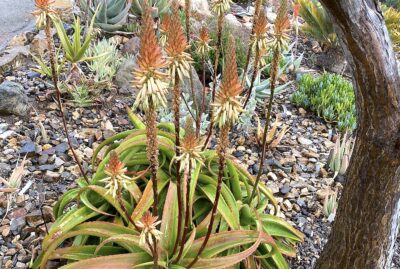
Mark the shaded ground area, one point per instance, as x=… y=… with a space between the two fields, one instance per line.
x=15 y=17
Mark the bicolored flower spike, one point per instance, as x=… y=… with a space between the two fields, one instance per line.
x=149 y=78
x=116 y=178
x=164 y=26
x=260 y=37
x=190 y=148
x=203 y=42
x=178 y=60
x=281 y=33
x=148 y=224
x=43 y=8
x=227 y=106
x=220 y=7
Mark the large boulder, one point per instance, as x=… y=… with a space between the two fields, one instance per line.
x=13 y=57
x=124 y=77
x=13 y=99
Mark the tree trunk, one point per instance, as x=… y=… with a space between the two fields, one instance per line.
x=366 y=224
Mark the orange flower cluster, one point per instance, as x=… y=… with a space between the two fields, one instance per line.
x=227 y=103
x=260 y=38
x=149 y=78
x=179 y=60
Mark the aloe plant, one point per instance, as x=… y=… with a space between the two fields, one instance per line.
x=112 y=15
x=159 y=7
x=241 y=230
x=74 y=49
x=318 y=24
x=339 y=157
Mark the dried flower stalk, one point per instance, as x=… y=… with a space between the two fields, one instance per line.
x=228 y=99
x=280 y=39
x=44 y=14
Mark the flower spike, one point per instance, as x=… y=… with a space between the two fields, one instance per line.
x=149 y=78
x=227 y=104
x=178 y=60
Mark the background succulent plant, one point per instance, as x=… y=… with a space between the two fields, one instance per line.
x=330 y=96
x=159 y=7
x=111 y=14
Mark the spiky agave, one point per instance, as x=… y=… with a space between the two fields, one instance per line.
x=227 y=108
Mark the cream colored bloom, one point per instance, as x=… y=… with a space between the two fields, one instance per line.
x=148 y=224
x=115 y=170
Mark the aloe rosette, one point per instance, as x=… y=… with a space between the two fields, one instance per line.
x=97 y=232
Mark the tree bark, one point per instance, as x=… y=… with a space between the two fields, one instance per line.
x=366 y=224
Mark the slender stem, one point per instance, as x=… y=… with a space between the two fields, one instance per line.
x=121 y=202
x=217 y=52
x=176 y=111
x=249 y=51
x=224 y=140
x=58 y=94
x=187 y=213
x=195 y=103
x=274 y=70
x=152 y=153
x=203 y=96
x=152 y=156
x=253 y=78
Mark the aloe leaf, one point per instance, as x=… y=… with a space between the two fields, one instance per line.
x=122 y=261
x=77 y=253
x=169 y=222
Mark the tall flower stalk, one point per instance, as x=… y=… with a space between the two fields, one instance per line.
x=257 y=8
x=179 y=67
x=259 y=44
x=219 y=7
x=44 y=14
x=190 y=156
x=279 y=43
x=150 y=81
x=227 y=107
x=203 y=47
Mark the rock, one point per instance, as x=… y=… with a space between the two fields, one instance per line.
x=13 y=57
x=124 y=76
x=5 y=169
x=132 y=46
x=51 y=176
x=197 y=86
x=271 y=15
x=232 y=21
x=199 y=7
x=28 y=148
x=62 y=147
x=88 y=152
x=3 y=127
x=6 y=134
x=39 y=42
x=285 y=189
x=304 y=141
x=13 y=99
